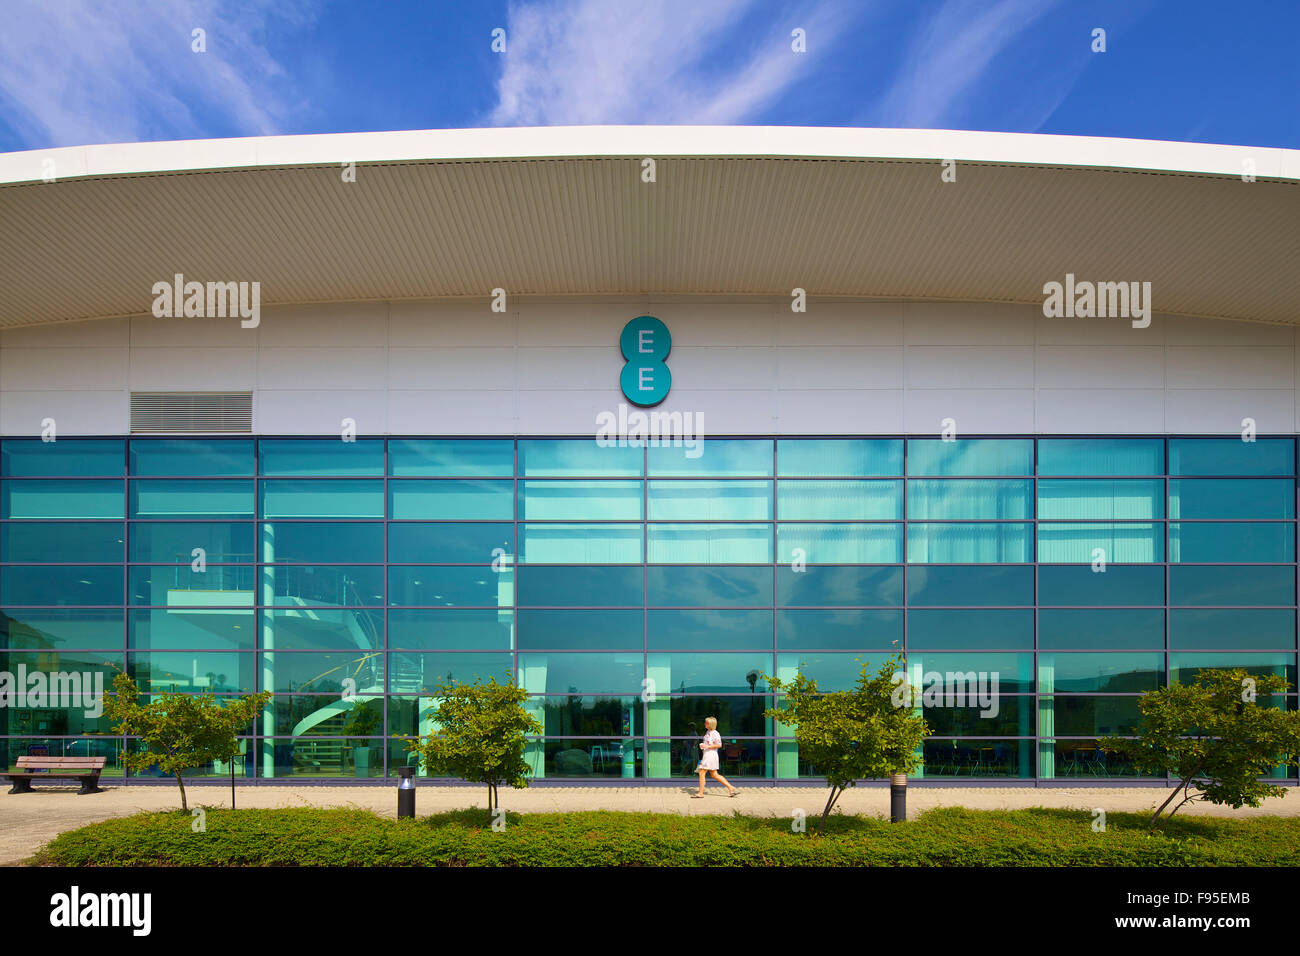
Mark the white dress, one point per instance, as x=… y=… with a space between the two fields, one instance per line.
x=709 y=758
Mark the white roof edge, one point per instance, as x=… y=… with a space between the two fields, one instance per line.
x=1031 y=149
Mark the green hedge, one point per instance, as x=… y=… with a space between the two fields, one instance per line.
x=945 y=837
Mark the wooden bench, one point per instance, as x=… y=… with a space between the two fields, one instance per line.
x=57 y=769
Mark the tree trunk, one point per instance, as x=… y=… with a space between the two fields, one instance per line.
x=185 y=808
x=1182 y=785
x=829 y=804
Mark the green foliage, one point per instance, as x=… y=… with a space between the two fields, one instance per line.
x=480 y=736
x=945 y=837
x=853 y=735
x=363 y=720
x=1213 y=735
x=179 y=732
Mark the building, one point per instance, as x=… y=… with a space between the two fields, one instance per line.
x=379 y=465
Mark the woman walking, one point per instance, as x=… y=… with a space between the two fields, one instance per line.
x=710 y=746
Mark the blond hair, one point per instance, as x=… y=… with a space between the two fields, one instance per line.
x=711 y=722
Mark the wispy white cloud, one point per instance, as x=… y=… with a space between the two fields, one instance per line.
x=576 y=62
x=97 y=71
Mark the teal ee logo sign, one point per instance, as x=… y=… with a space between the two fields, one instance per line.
x=645 y=343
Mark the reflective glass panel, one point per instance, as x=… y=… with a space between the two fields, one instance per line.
x=451 y=458
x=716 y=457
x=1101 y=673
x=62 y=499
x=1101 y=500
x=581 y=585
x=1101 y=456
x=176 y=457
x=839 y=629
x=710 y=543
x=1231 y=498
x=828 y=585
x=839 y=500
x=713 y=586
x=454 y=543
x=1231 y=456
x=580 y=543
x=838 y=457
x=580 y=458
x=1221 y=629
x=979 y=500
x=602 y=500
x=61 y=628
x=839 y=543
x=971 y=629
x=445 y=629
x=192 y=498
x=450 y=586
x=1214 y=542
x=444 y=499
x=345 y=498
x=1086 y=628
x=173 y=542
x=1118 y=585
x=291 y=458
x=66 y=457
x=710 y=500
x=581 y=629
x=1203 y=585
x=61 y=584
x=728 y=629
x=310 y=542
x=1079 y=542
x=970 y=586
x=61 y=542
x=970 y=543
x=970 y=456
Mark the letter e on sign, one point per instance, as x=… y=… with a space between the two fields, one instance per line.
x=645 y=344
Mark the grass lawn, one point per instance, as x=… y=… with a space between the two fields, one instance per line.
x=943 y=837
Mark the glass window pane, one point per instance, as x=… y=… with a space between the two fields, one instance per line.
x=599 y=500
x=840 y=543
x=838 y=457
x=1100 y=673
x=840 y=500
x=710 y=500
x=1093 y=716
x=1225 y=584
x=561 y=673
x=181 y=586
x=716 y=586
x=443 y=629
x=957 y=499
x=1232 y=498
x=1212 y=542
x=1101 y=456
x=192 y=672
x=972 y=586
x=966 y=629
x=832 y=672
x=970 y=456
x=61 y=542
x=412 y=671
x=1087 y=628
x=168 y=629
x=443 y=499
x=710 y=543
x=582 y=629
x=456 y=543
x=323 y=673
x=968 y=543
x=1014 y=672
x=729 y=629
x=1220 y=629
x=1183 y=668
x=1231 y=456
x=716 y=457
x=450 y=586
x=568 y=716
x=584 y=585
x=325 y=585
x=192 y=498
x=971 y=708
x=61 y=584
x=578 y=458
x=67 y=457
x=63 y=499
x=173 y=542
x=285 y=498
x=62 y=628
x=330 y=457
x=1118 y=584
x=580 y=543
x=684 y=673
x=839 y=629
x=299 y=629
x=310 y=542
x=176 y=457
x=1093 y=500
x=1078 y=542
x=831 y=586
x=451 y=458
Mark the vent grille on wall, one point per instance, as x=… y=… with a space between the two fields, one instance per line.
x=161 y=413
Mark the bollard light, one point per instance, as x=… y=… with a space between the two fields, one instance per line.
x=406 y=792
x=898 y=798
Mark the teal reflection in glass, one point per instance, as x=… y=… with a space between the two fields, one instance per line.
x=1100 y=628
x=309 y=542
x=61 y=629
x=448 y=629
x=1232 y=498
x=604 y=629
x=67 y=458
x=1183 y=668
x=709 y=543
x=970 y=456
x=695 y=500
x=455 y=543
x=173 y=542
x=450 y=586
x=1101 y=456
x=192 y=672
x=711 y=586
x=1100 y=673
x=970 y=629
x=828 y=585
x=832 y=672
x=839 y=629
x=568 y=673
x=970 y=543
x=977 y=758
x=715 y=457
x=725 y=629
x=839 y=543
x=323 y=715
x=325 y=585
x=62 y=499
x=1222 y=629
x=192 y=498
x=176 y=457
x=61 y=542
x=451 y=458
x=1014 y=673
x=1101 y=500
x=179 y=585
x=970 y=499
x=1093 y=716
x=1117 y=585
x=310 y=672
x=322 y=629
x=1215 y=542
x=683 y=673
x=577 y=716
x=61 y=584
x=598 y=500
x=169 y=629
x=1231 y=456
x=960 y=708
x=970 y=585
x=579 y=458
x=839 y=500
x=580 y=543
x=1206 y=585
x=67 y=661
x=838 y=457
x=1079 y=542
x=323 y=498
x=445 y=499
x=330 y=457
x=581 y=585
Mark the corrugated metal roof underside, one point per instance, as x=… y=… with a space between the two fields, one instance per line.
x=891 y=229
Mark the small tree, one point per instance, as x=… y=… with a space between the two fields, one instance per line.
x=480 y=735
x=852 y=735
x=1214 y=736
x=179 y=731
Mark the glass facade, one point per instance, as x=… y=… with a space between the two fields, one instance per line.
x=635 y=591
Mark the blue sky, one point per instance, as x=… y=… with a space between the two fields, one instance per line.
x=96 y=71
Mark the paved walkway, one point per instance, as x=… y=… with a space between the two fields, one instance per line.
x=27 y=821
